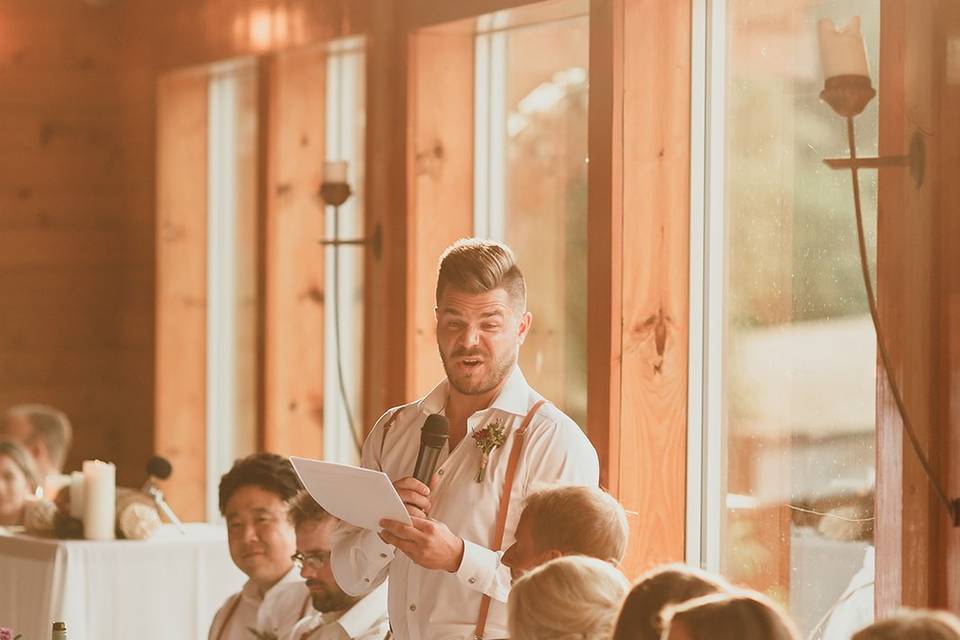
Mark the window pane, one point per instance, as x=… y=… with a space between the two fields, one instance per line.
x=799 y=368
x=535 y=78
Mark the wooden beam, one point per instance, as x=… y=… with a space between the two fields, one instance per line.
x=295 y=294
x=948 y=167
x=440 y=183
x=605 y=237
x=181 y=303
x=908 y=515
x=385 y=285
x=655 y=277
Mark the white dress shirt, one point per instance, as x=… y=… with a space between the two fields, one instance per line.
x=433 y=605
x=365 y=620
x=275 y=612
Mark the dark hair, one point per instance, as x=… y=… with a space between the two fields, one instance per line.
x=640 y=614
x=268 y=471
x=303 y=508
x=478 y=266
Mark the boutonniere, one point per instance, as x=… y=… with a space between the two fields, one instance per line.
x=487 y=439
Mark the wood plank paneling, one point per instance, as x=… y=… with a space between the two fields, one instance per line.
x=65 y=238
x=294 y=259
x=181 y=287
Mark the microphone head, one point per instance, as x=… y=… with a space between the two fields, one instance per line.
x=160 y=468
x=435 y=431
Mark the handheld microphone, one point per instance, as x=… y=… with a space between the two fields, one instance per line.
x=433 y=435
x=159 y=468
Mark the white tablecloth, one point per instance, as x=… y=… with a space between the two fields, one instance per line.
x=166 y=587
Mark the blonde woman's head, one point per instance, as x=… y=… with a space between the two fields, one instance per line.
x=569 y=598
x=914 y=624
x=641 y=614
x=739 y=615
x=567 y=520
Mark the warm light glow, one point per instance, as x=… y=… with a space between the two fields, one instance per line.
x=261 y=29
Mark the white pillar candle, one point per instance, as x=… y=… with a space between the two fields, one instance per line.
x=76 y=495
x=842 y=52
x=100 y=500
x=335 y=171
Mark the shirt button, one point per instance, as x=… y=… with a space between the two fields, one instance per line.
x=383 y=555
x=440 y=473
x=413 y=607
x=472 y=580
x=366 y=579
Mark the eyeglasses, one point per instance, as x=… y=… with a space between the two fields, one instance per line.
x=313 y=561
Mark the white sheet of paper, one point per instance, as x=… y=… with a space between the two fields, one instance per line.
x=358 y=496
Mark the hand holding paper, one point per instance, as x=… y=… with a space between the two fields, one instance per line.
x=360 y=497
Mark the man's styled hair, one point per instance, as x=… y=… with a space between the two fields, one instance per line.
x=577 y=520
x=739 y=615
x=268 y=471
x=49 y=425
x=303 y=509
x=22 y=458
x=917 y=624
x=479 y=266
x=567 y=597
x=672 y=584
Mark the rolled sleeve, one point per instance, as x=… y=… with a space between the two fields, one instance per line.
x=359 y=559
x=481 y=570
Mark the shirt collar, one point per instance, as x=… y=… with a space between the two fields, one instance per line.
x=515 y=397
x=251 y=592
x=366 y=613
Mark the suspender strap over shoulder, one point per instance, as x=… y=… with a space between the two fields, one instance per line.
x=514 y=461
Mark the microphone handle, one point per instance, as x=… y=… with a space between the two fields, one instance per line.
x=426 y=464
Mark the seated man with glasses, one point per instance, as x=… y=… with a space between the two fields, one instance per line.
x=336 y=615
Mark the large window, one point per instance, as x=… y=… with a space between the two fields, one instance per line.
x=531 y=182
x=788 y=435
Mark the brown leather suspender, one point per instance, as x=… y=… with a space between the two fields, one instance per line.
x=505 y=507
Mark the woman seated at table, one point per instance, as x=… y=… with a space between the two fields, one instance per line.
x=18 y=482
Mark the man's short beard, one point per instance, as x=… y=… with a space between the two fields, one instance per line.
x=499 y=373
x=327 y=601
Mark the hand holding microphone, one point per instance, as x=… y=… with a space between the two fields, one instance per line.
x=428 y=543
x=414 y=490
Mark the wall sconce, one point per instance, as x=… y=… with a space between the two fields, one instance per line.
x=848 y=90
x=334 y=191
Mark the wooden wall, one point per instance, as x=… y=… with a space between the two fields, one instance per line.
x=75 y=264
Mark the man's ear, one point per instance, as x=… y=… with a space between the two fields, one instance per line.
x=525 y=321
x=552 y=554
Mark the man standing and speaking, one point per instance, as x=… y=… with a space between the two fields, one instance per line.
x=446 y=575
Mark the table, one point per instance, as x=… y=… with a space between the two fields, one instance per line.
x=166 y=587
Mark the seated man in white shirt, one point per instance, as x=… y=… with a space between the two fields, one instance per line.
x=255 y=499
x=568 y=521
x=446 y=577
x=335 y=615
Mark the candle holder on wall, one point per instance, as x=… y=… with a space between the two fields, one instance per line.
x=848 y=91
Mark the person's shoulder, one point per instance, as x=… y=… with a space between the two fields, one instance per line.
x=553 y=425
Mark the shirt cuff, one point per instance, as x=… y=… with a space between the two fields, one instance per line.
x=359 y=569
x=479 y=566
